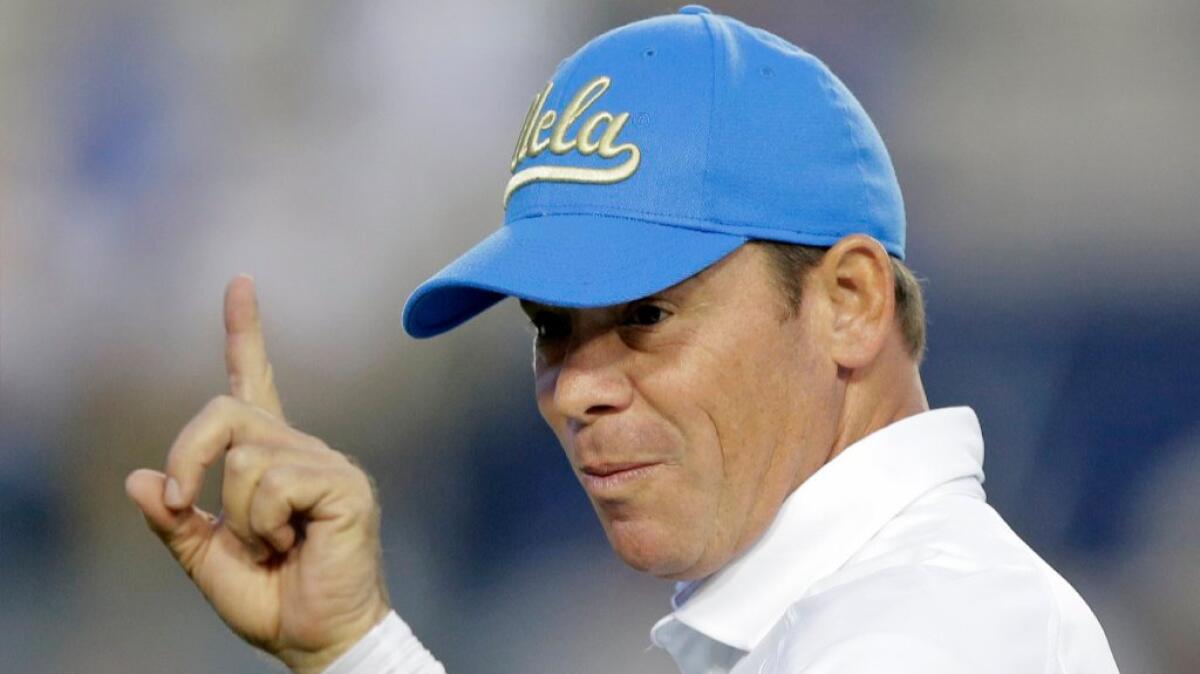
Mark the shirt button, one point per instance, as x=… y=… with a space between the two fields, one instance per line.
x=694 y=9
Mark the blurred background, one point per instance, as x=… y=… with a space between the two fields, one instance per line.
x=342 y=152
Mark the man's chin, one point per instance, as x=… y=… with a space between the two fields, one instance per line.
x=651 y=548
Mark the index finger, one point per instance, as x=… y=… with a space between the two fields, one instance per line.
x=251 y=378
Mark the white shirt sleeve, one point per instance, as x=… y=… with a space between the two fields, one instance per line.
x=389 y=648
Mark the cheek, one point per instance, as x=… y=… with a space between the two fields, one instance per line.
x=752 y=406
x=684 y=402
x=684 y=405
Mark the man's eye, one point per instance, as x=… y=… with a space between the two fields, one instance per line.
x=550 y=326
x=645 y=315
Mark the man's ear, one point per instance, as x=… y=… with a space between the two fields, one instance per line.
x=856 y=277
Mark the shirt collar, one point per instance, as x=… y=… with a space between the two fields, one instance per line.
x=826 y=520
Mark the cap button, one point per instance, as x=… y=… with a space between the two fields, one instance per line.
x=694 y=9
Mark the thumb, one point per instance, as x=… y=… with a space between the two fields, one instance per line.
x=185 y=532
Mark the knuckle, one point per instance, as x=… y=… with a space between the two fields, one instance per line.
x=363 y=506
x=346 y=470
x=312 y=443
x=240 y=460
x=237 y=382
x=221 y=404
x=360 y=489
x=340 y=460
x=274 y=483
x=339 y=463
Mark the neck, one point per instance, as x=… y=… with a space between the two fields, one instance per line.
x=877 y=396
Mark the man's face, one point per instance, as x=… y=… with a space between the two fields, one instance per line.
x=688 y=416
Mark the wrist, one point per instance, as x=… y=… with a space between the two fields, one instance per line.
x=316 y=662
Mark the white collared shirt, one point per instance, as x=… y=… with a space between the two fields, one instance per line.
x=887 y=559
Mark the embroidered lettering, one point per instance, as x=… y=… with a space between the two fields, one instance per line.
x=531 y=142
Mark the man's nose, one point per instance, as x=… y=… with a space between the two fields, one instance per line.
x=591 y=379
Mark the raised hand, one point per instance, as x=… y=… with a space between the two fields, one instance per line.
x=292 y=564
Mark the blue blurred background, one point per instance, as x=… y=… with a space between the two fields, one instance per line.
x=341 y=152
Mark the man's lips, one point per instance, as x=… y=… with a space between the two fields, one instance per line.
x=606 y=469
x=604 y=478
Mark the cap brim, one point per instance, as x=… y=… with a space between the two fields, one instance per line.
x=563 y=260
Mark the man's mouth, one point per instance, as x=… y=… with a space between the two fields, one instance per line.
x=605 y=478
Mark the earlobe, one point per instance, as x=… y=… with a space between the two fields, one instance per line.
x=858 y=279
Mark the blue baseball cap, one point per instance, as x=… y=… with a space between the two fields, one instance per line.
x=656 y=150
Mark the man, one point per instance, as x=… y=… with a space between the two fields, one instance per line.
x=706 y=231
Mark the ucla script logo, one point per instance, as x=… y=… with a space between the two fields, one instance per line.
x=531 y=142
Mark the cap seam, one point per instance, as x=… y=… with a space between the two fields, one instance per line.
x=659 y=218
x=681 y=223
x=827 y=86
x=748 y=231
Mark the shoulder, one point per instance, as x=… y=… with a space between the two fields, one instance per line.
x=944 y=586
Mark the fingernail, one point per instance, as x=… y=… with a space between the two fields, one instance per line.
x=173 y=496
